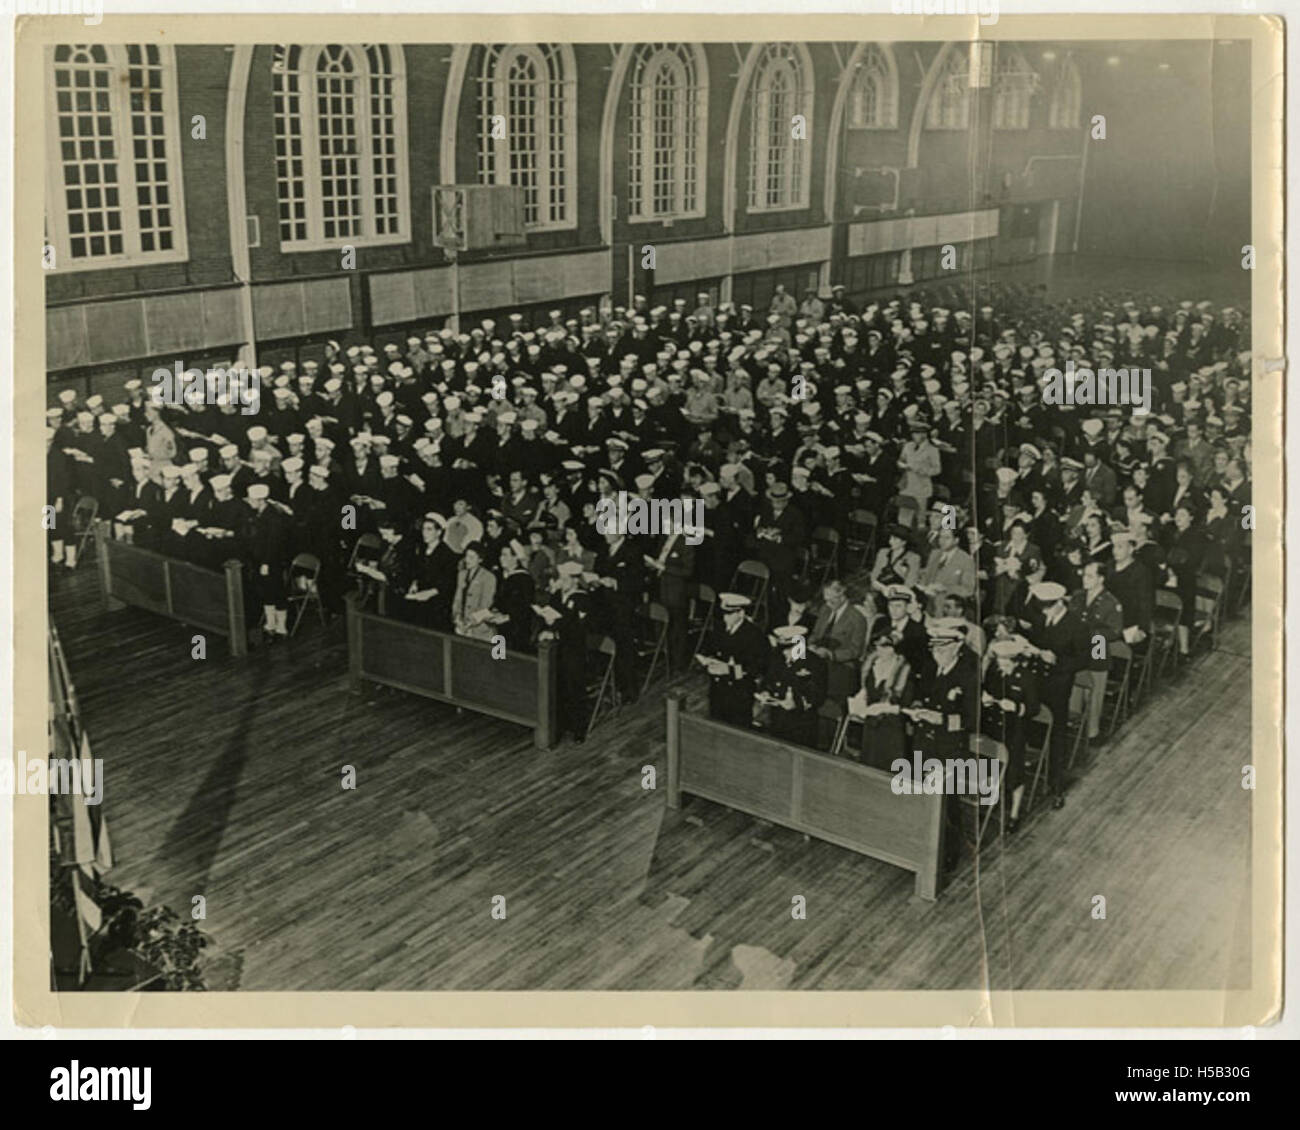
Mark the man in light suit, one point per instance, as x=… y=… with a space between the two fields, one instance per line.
x=674 y=564
x=838 y=637
x=950 y=571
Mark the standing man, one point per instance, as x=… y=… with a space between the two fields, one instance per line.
x=736 y=657
x=268 y=546
x=839 y=638
x=565 y=613
x=1102 y=617
x=674 y=564
x=1062 y=644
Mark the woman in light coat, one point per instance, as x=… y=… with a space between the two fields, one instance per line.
x=476 y=592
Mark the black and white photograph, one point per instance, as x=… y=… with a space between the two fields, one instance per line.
x=655 y=513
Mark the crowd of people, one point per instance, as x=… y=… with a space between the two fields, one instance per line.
x=1009 y=533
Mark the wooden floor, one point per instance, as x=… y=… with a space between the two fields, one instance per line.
x=223 y=779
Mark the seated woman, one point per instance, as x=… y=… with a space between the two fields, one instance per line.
x=887 y=686
x=572 y=549
x=476 y=590
x=1222 y=532
x=512 y=615
x=897 y=563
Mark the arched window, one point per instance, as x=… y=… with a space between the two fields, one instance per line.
x=949 y=106
x=779 y=161
x=1067 y=97
x=528 y=128
x=114 y=176
x=873 y=98
x=340 y=145
x=1013 y=88
x=669 y=117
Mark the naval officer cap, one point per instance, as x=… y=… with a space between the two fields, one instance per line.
x=1047 y=592
x=946 y=629
x=733 y=601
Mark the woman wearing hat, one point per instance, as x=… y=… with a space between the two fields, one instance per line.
x=887 y=686
x=897 y=563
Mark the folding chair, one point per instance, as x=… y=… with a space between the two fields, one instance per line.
x=702 y=595
x=368 y=550
x=1119 y=678
x=304 y=587
x=983 y=747
x=1042 y=718
x=1243 y=567
x=83 y=523
x=823 y=555
x=758 y=577
x=908 y=510
x=830 y=720
x=1164 y=629
x=1209 y=609
x=861 y=536
x=604 y=686
x=1144 y=658
x=1080 y=704
x=652 y=639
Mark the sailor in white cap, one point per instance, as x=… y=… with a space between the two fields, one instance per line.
x=267 y=535
x=1064 y=646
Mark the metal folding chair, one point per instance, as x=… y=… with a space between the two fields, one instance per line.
x=1164 y=629
x=983 y=746
x=83 y=523
x=604 y=686
x=1208 y=613
x=304 y=587
x=1041 y=752
x=1080 y=704
x=757 y=579
x=652 y=639
x=1118 y=680
x=368 y=550
x=861 y=537
x=823 y=555
x=909 y=508
x=702 y=596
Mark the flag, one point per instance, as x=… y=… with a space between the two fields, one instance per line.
x=87 y=909
x=94 y=851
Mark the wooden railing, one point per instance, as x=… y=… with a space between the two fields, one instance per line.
x=832 y=798
x=455 y=669
x=205 y=598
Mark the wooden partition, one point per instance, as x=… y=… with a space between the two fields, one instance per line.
x=456 y=669
x=210 y=599
x=831 y=798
